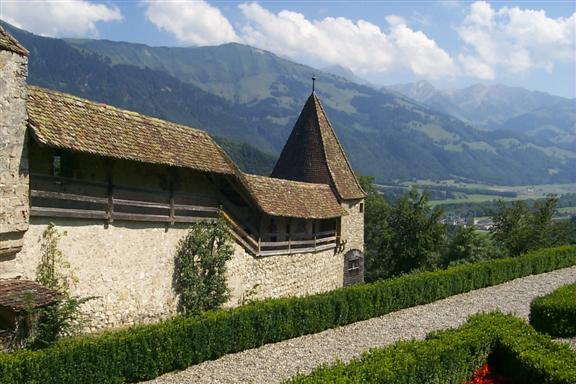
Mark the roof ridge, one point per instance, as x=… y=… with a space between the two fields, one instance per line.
x=303 y=183
x=317 y=100
x=324 y=154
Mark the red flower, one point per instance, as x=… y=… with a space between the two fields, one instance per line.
x=485 y=375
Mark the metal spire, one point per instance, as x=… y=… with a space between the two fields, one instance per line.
x=313 y=83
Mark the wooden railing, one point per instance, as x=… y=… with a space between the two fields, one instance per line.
x=73 y=198
x=298 y=243
x=104 y=204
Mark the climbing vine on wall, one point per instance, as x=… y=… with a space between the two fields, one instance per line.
x=65 y=317
x=200 y=267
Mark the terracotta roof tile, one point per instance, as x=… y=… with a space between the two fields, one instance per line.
x=279 y=197
x=314 y=154
x=7 y=42
x=14 y=294
x=64 y=121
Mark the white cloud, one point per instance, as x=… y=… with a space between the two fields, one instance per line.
x=192 y=22
x=58 y=18
x=361 y=46
x=514 y=40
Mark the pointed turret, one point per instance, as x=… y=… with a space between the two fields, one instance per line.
x=314 y=154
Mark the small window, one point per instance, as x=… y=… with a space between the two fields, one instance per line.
x=354 y=266
x=57 y=165
x=361 y=208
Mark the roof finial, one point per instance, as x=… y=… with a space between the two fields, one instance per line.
x=313 y=82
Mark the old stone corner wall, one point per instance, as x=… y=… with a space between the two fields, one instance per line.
x=352 y=226
x=14 y=200
x=129 y=267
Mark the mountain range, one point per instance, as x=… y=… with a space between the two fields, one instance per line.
x=499 y=107
x=252 y=98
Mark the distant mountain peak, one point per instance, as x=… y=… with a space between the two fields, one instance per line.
x=421 y=90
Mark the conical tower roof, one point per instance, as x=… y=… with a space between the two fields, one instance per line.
x=313 y=154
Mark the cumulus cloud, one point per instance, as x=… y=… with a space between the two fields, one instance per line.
x=58 y=18
x=361 y=46
x=192 y=22
x=514 y=39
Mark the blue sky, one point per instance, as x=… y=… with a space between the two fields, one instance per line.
x=451 y=43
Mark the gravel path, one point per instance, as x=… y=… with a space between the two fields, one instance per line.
x=273 y=363
x=571 y=342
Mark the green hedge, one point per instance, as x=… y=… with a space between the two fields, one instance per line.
x=515 y=349
x=146 y=351
x=555 y=314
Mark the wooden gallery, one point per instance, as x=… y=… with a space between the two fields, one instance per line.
x=123 y=188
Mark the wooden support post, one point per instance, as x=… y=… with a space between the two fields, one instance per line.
x=172 y=219
x=289 y=230
x=314 y=232
x=259 y=244
x=110 y=212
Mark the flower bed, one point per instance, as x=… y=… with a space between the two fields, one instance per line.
x=555 y=314
x=486 y=375
x=516 y=350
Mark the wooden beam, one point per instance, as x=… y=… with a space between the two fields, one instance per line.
x=66 y=212
x=68 y=196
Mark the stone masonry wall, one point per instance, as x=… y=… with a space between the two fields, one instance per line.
x=129 y=266
x=14 y=206
x=353 y=225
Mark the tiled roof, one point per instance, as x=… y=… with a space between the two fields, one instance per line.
x=14 y=294
x=7 y=42
x=64 y=121
x=314 y=154
x=278 y=197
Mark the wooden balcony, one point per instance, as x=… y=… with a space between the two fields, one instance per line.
x=66 y=197
x=73 y=198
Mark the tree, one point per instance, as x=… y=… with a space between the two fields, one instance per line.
x=377 y=232
x=519 y=228
x=468 y=245
x=400 y=238
x=418 y=236
x=200 y=267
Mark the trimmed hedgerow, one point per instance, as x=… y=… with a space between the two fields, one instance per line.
x=146 y=351
x=515 y=349
x=555 y=314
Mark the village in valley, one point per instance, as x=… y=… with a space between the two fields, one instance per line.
x=216 y=212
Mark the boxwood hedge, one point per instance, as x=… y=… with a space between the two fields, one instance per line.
x=146 y=351
x=555 y=314
x=515 y=349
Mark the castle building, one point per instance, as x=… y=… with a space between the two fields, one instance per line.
x=123 y=188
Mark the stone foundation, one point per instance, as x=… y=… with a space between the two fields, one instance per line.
x=129 y=267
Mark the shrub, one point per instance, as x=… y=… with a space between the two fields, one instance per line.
x=146 y=351
x=514 y=349
x=200 y=267
x=555 y=314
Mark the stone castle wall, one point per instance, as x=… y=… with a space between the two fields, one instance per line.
x=353 y=225
x=129 y=267
x=14 y=206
